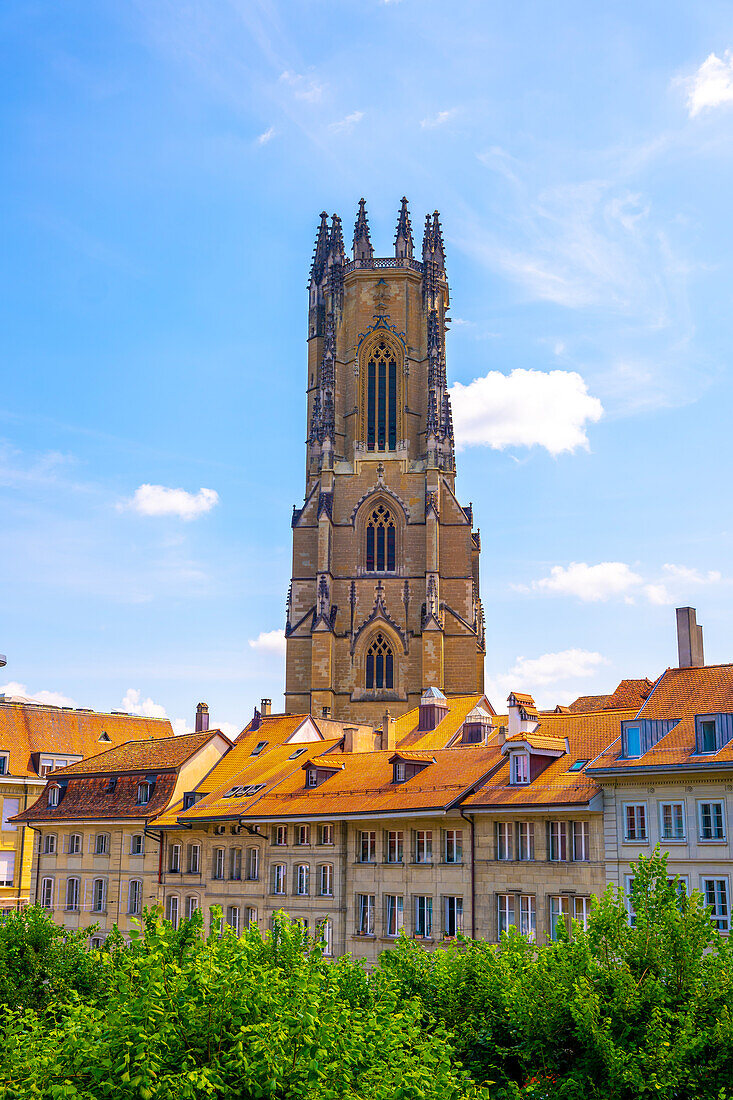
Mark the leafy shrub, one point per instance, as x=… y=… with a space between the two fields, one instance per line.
x=42 y=963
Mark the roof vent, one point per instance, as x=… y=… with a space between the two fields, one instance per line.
x=433 y=709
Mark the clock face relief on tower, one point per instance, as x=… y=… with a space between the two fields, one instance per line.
x=384 y=598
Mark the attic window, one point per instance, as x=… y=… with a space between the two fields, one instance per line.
x=4 y=763
x=633 y=741
x=190 y=799
x=399 y=772
x=258 y=748
x=577 y=765
x=143 y=793
x=53 y=796
x=520 y=767
x=244 y=792
x=104 y=736
x=311 y=777
x=297 y=753
x=111 y=784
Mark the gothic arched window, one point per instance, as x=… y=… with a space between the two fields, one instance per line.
x=380 y=541
x=380 y=664
x=381 y=398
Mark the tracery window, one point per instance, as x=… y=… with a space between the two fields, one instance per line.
x=380 y=541
x=380 y=664
x=381 y=398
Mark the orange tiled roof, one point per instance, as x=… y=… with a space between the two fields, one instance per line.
x=585 y=704
x=523 y=699
x=629 y=693
x=87 y=797
x=538 y=741
x=29 y=728
x=459 y=706
x=165 y=753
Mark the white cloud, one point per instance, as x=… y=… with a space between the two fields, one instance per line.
x=533 y=674
x=270 y=641
x=51 y=698
x=615 y=579
x=347 y=124
x=438 y=120
x=525 y=408
x=676 y=582
x=157 y=500
x=712 y=84
x=304 y=87
x=268 y=135
x=135 y=704
x=229 y=729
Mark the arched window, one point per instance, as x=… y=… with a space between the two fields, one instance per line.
x=380 y=541
x=72 y=893
x=381 y=398
x=380 y=664
x=135 y=897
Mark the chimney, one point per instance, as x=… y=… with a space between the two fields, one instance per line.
x=202 y=718
x=349 y=738
x=266 y=708
x=256 y=721
x=388 y=732
x=689 y=639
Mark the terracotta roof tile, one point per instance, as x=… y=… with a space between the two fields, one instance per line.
x=459 y=706
x=163 y=753
x=87 y=797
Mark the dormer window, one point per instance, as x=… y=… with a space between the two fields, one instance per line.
x=311 y=777
x=520 y=767
x=143 y=794
x=4 y=763
x=111 y=784
x=53 y=797
x=633 y=741
x=399 y=771
x=707 y=735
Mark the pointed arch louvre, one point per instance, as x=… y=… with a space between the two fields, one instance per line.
x=381 y=400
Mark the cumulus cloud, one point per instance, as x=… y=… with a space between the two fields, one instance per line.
x=134 y=703
x=615 y=579
x=304 y=87
x=50 y=698
x=712 y=84
x=268 y=135
x=437 y=120
x=270 y=641
x=157 y=500
x=347 y=124
x=229 y=729
x=537 y=675
x=525 y=408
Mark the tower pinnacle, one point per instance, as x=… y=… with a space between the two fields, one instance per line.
x=403 y=243
x=362 y=242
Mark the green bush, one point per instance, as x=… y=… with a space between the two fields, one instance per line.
x=42 y=963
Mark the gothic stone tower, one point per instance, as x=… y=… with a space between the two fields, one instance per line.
x=384 y=599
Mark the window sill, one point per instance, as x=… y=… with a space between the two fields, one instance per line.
x=422 y=863
x=712 y=840
x=673 y=840
x=364 y=936
x=637 y=841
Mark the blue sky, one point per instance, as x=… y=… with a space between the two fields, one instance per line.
x=164 y=167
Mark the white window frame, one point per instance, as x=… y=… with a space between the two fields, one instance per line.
x=75 y=849
x=143 y=793
x=101 y=844
x=365 y=909
x=557 y=849
x=99 y=896
x=528 y=916
x=281 y=836
x=253 y=864
x=423 y=910
x=325 y=880
x=302 y=836
x=173 y=909
x=711 y=802
x=327 y=935
x=279 y=879
x=77 y=883
x=326 y=835
x=452 y=915
x=302 y=880
x=192 y=905
x=423 y=846
x=250 y=915
x=504 y=841
x=174 y=863
x=220 y=859
x=47 y=889
x=53 y=797
x=194 y=859
x=453 y=852
x=506 y=913
x=519 y=769
x=11 y=806
x=395 y=846
x=367 y=846
x=525 y=841
x=720 y=912
x=135 y=897
x=635 y=807
x=581 y=909
x=4 y=763
x=559 y=908
x=8 y=862
x=672 y=805
x=581 y=841
x=50 y=844
x=235 y=864
x=394 y=914
x=137 y=837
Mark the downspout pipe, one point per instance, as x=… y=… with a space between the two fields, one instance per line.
x=471 y=822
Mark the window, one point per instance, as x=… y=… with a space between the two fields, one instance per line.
x=175 y=863
x=326 y=834
x=218 y=863
x=520 y=767
x=278 y=878
x=72 y=894
x=712 y=820
x=101 y=844
x=325 y=880
x=4 y=763
x=53 y=797
x=280 y=835
x=10 y=808
x=194 y=859
x=365 y=910
x=380 y=541
x=143 y=793
x=503 y=840
x=507 y=919
x=581 y=910
x=171 y=910
x=302 y=879
x=581 y=840
x=7 y=868
x=111 y=785
x=635 y=821
x=192 y=904
x=527 y=918
x=99 y=895
x=137 y=844
x=452 y=916
x=716 y=896
x=96 y=942
x=395 y=846
x=454 y=846
x=559 y=913
x=258 y=748
x=399 y=771
x=423 y=917
x=326 y=929
x=393 y=914
x=311 y=777
x=381 y=398
x=577 y=765
x=633 y=741
x=423 y=846
x=75 y=844
x=368 y=847
x=297 y=752
x=49 y=844
x=303 y=835
x=672 y=820
x=250 y=914
x=380 y=664
x=47 y=893
x=525 y=840
x=235 y=864
x=557 y=847
x=134 y=897
x=707 y=735
x=253 y=864
x=629 y=906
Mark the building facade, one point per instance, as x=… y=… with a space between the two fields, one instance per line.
x=384 y=596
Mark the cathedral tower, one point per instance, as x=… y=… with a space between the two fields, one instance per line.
x=384 y=598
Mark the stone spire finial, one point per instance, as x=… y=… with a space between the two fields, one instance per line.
x=320 y=252
x=403 y=243
x=427 y=240
x=362 y=242
x=438 y=249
